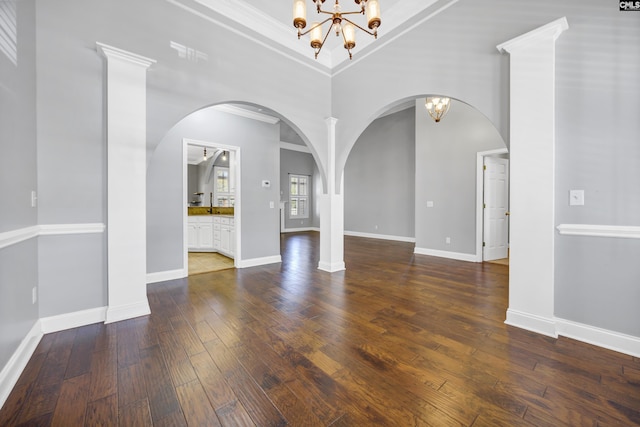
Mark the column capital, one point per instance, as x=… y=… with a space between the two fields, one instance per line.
x=553 y=29
x=111 y=52
x=331 y=121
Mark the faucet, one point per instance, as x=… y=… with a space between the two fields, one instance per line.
x=210 y=210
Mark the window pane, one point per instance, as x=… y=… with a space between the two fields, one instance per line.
x=294 y=207
x=302 y=207
x=294 y=186
x=302 y=186
x=222 y=180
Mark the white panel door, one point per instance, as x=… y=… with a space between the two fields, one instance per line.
x=496 y=207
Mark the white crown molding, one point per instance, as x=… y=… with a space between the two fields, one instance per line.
x=619 y=231
x=264 y=44
x=383 y=41
x=232 y=109
x=242 y=13
x=554 y=29
x=294 y=147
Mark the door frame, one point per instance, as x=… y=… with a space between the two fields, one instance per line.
x=480 y=195
x=237 y=204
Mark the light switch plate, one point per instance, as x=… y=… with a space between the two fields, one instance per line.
x=429 y=203
x=576 y=198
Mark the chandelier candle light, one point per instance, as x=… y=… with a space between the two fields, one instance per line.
x=437 y=107
x=340 y=24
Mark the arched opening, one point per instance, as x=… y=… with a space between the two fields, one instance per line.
x=251 y=135
x=408 y=178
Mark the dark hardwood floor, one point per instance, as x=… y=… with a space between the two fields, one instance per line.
x=397 y=339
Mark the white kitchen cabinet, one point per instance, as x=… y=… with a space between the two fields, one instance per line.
x=200 y=233
x=224 y=235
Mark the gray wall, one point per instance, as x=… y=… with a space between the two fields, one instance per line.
x=18 y=176
x=260 y=160
x=598 y=151
x=71 y=122
x=379 y=183
x=298 y=163
x=446 y=156
x=193 y=177
x=598 y=60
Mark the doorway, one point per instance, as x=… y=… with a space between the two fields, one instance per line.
x=492 y=222
x=229 y=232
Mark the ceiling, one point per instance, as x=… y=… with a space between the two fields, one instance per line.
x=270 y=22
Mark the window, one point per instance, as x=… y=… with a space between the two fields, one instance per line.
x=224 y=197
x=298 y=196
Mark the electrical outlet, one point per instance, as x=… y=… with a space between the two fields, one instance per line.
x=34 y=295
x=447 y=240
x=34 y=199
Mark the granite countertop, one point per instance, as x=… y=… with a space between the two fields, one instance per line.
x=205 y=210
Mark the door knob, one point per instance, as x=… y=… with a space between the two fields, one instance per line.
x=507 y=213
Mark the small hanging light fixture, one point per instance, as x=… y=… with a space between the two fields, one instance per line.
x=437 y=107
x=370 y=8
x=224 y=156
x=204 y=158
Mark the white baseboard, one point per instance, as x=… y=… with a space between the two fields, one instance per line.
x=163 y=276
x=127 y=311
x=380 y=236
x=13 y=369
x=299 y=230
x=555 y=327
x=73 y=320
x=331 y=267
x=615 y=341
x=255 y=262
x=532 y=322
x=446 y=254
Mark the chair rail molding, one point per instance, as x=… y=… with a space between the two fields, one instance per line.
x=591 y=230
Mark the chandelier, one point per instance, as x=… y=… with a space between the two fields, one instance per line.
x=341 y=25
x=437 y=107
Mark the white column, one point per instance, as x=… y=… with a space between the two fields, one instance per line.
x=126 y=183
x=532 y=155
x=331 y=211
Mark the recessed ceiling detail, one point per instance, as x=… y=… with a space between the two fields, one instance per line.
x=269 y=22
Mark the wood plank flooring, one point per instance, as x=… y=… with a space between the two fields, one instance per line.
x=398 y=339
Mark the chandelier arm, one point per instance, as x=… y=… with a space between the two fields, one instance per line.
x=351 y=13
x=316 y=26
x=326 y=12
x=363 y=29
x=323 y=41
